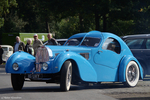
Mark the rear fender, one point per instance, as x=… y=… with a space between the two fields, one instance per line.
x=86 y=71
x=122 y=67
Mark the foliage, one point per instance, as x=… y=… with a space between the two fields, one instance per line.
x=65 y=17
x=4 y=9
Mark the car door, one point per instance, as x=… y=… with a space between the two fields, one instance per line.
x=146 y=54
x=109 y=54
x=107 y=58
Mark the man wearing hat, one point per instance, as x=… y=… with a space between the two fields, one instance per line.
x=36 y=43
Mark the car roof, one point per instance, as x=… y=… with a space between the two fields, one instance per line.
x=137 y=36
x=61 y=39
x=95 y=34
x=6 y=46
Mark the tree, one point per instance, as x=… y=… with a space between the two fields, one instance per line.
x=5 y=5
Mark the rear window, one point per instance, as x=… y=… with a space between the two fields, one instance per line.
x=135 y=43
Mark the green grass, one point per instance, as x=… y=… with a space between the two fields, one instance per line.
x=10 y=38
x=25 y=36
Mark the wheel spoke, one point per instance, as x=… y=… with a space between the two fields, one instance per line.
x=131 y=73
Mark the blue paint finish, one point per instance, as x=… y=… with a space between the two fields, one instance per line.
x=85 y=68
x=25 y=61
x=102 y=66
x=122 y=69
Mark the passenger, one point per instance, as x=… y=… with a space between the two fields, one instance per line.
x=36 y=43
x=51 y=41
x=111 y=47
x=29 y=48
x=19 y=46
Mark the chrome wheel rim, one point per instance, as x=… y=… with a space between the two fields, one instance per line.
x=69 y=76
x=132 y=73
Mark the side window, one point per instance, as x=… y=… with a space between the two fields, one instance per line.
x=148 y=44
x=10 y=49
x=135 y=43
x=112 y=44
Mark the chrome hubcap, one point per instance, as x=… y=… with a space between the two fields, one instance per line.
x=132 y=74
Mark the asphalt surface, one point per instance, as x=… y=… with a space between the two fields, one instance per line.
x=43 y=91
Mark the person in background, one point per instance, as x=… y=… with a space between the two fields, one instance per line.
x=36 y=43
x=29 y=48
x=19 y=46
x=51 y=41
x=1 y=52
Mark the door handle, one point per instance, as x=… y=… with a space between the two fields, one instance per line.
x=100 y=51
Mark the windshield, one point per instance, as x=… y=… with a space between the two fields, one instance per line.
x=91 y=42
x=74 y=41
x=4 y=48
x=88 y=41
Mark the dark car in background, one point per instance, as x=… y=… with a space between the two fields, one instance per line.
x=140 y=47
x=60 y=41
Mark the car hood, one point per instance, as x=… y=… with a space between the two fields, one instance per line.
x=68 y=48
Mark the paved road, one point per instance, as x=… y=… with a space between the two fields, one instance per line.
x=43 y=91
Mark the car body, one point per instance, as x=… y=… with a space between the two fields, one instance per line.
x=140 y=47
x=85 y=57
x=8 y=51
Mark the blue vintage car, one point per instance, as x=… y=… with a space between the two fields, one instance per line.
x=85 y=57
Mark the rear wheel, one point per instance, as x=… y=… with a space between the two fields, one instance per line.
x=17 y=81
x=66 y=76
x=132 y=74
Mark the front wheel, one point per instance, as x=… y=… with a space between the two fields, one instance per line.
x=66 y=76
x=132 y=74
x=17 y=81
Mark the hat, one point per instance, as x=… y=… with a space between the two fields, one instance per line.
x=35 y=35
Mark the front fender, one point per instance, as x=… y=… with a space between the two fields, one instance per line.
x=25 y=61
x=122 y=67
x=86 y=70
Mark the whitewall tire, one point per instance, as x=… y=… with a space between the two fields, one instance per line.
x=66 y=76
x=132 y=74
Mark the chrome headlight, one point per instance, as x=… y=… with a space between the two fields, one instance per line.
x=15 y=66
x=45 y=66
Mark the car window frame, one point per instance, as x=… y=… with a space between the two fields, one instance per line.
x=113 y=50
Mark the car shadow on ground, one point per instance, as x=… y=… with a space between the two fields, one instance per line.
x=56 y=88
x=138 y=98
